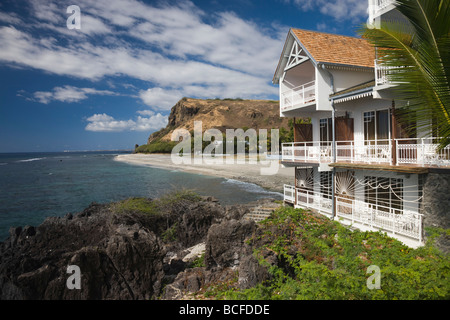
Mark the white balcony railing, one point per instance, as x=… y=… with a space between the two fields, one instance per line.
x=298 y=96
x=421 y=152
x=383 y=4
x=403 y=222
x=377 y=151
x=377 y=7
x=307 y=151
x=381 y=74
x=289 y=194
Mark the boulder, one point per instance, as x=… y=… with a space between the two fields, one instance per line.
x=116 y=261
x=225 y=241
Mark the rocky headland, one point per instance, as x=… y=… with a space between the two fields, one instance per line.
x=221 y=115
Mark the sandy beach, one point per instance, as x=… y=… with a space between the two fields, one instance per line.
x=246 y=172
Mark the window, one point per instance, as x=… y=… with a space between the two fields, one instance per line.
x=384 y=193
x=382 y=125
x=326 y=127
x=369 y=125
x=376 y=126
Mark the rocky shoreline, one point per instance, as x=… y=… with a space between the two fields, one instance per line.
x=126 y=254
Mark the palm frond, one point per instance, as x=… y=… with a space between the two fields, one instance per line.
x=417 y=53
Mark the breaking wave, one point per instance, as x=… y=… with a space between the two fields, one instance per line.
x=30 y=160
x=250 y=187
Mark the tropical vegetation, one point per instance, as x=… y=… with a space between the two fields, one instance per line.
x=320 y=259
x=416 y=51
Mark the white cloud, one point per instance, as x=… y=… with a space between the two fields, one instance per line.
x=146 y=112
x=11 y=18
x=154 y=122
x=69 y=94
x=338 y=9
x=91 y=25
x=106 y=123
x=175 y=47
x=160 y=98
x=323 y=27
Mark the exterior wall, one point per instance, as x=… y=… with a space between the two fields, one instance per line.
x=356 y=109
x=436 y=205
x=323 y=90
x=344 y=79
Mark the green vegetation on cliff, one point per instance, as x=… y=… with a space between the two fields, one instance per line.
x=156 y=147
x=319 y=259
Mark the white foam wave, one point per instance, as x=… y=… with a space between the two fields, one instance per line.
x=30 y=160
x=250 y=187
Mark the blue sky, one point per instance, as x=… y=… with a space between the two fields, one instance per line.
x=112 y=82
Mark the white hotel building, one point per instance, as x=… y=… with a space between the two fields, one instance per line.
x=368 y=172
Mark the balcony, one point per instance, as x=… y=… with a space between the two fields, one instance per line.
x=359 y=213
x=298 y=97
x=378 y=7
x=381 y=73
x=422 y=152
x=383 y=4
x=413 y=152
x=378 y=151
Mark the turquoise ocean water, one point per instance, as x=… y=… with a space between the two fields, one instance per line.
x=34 y=186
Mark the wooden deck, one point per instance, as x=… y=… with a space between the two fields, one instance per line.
x=410 y=168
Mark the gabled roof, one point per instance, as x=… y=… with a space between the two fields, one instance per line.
x=327 y=48
x=337 y=49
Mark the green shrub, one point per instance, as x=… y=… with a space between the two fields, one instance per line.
x=198 y=262
x=170 y=234
x=157 y=206
x=321 y=259
x=177 y=195
x=136 y=205
x=157 y=147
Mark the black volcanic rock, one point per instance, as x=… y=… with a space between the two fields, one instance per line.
x=116 y=261
x=225 y=242
x=120 y=255
x=124 y=255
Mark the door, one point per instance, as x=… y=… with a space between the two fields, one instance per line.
x=302 y=133
x=404 y=129
x=377 y=135
x=344 y=139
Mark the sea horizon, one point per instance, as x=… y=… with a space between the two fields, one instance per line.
x=38 y=185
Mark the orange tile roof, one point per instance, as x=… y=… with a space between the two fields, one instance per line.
x=332 y=48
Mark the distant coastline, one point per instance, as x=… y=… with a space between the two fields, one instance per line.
x=242 y=172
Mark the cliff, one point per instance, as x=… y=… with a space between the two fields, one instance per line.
x=221 y=115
